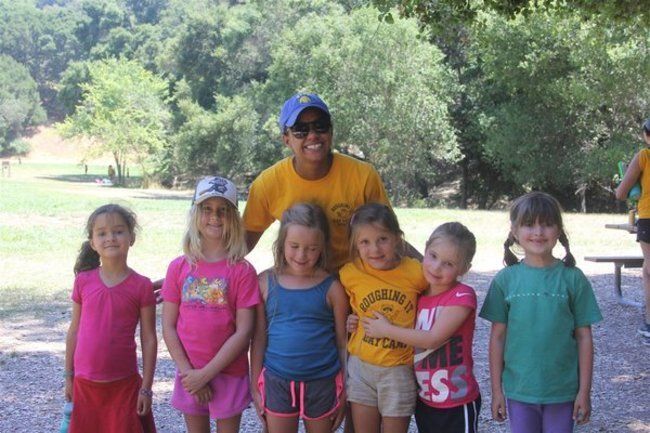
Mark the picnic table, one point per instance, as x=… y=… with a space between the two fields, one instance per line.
x=619 y=263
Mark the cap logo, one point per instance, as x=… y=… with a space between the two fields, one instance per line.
x=217 y=184
x=304 y=99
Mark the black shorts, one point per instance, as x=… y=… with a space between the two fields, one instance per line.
x=459 y=419
x=643 y=230
x=311 y=400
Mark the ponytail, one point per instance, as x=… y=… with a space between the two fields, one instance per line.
x=569 y=260
x=509 y=258
x=87 y=259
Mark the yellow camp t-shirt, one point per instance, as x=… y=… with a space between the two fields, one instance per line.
x=349 y=184
x=643 y=207
x=394 y=294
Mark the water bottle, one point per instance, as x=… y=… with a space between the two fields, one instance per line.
x=65 y=422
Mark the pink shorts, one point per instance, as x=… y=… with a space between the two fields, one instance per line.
x=230 y=396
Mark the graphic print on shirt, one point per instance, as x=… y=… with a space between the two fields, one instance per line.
x=202 y=292
x=341 y=214
x=390 y=303
x=441 y=375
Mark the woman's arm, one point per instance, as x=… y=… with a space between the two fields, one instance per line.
x=497 y=345
x=70 y=347
x=446 y=324
x=631 y=176
x=582 y=405
x=193 y=380
x=149 y=344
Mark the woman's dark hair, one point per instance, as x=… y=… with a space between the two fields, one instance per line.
x=646 y=126
x=531 y=208
x=88 y=258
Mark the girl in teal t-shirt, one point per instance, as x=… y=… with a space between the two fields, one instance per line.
x=541 y=309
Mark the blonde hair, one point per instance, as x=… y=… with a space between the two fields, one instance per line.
x=375 y=214
x=529 y=209
x=458 y=234
x=88 y=258
x=234 y=240
x=306 y=215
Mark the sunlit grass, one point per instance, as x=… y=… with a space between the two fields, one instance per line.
x=43 y=210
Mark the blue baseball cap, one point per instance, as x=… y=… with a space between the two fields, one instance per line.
x=646 y=126
x=297 y=104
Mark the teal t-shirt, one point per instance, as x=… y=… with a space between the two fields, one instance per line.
x=541 y=308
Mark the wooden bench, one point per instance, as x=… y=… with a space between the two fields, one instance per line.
x=620 y=262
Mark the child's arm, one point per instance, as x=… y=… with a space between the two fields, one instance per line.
x=149 y=344
x=173 y=343
x=631 y=176
x=194 y=380
x=70 y=347
x=340 y=304
x=258 y=348
x=582 y=405
x=497 y=345
x=450 y=319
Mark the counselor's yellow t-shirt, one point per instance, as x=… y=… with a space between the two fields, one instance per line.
x=349 y=184
x=643 y=207
x=394 y=294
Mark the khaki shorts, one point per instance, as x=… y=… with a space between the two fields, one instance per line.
x=392 y=390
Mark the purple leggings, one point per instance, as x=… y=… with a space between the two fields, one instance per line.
x=540 y=418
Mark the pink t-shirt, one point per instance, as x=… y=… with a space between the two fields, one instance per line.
x=445 y=377
x=106 y=347
x=208 y=295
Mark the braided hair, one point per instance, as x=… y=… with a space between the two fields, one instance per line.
x=531 y=208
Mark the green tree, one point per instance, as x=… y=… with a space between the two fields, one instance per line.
x=556 y=96
x=124 y=112
x=20 y=106
x=389 y=91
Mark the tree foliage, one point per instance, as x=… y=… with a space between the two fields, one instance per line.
x=123 y=112
x=19 y=104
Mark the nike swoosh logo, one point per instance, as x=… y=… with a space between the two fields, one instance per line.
x=460 y=295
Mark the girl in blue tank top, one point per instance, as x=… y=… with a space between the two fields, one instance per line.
x=299 y=349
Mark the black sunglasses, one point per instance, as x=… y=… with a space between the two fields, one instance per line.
x=302 y=129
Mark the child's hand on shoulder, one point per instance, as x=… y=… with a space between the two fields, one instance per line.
x=376 y=328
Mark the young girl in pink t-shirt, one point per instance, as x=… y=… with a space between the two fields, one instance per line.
x=209 y=295
x=449 y=398
x=109 y=300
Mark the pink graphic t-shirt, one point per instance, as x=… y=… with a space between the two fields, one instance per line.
x=109 y=315
x=208 y=295
x=445 y=376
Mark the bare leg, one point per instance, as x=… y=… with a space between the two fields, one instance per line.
x=319 y=426
x=278 y=424
x=396 y=424
x=348 y=426
x=197 y=423
x=228 y=425
x=645 y=248
x=366 y=419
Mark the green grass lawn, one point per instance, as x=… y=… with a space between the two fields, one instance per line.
x=43 y=210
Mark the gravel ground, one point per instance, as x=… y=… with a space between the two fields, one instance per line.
x=32 y=349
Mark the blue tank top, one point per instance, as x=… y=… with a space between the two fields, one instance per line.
x=301 y=337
